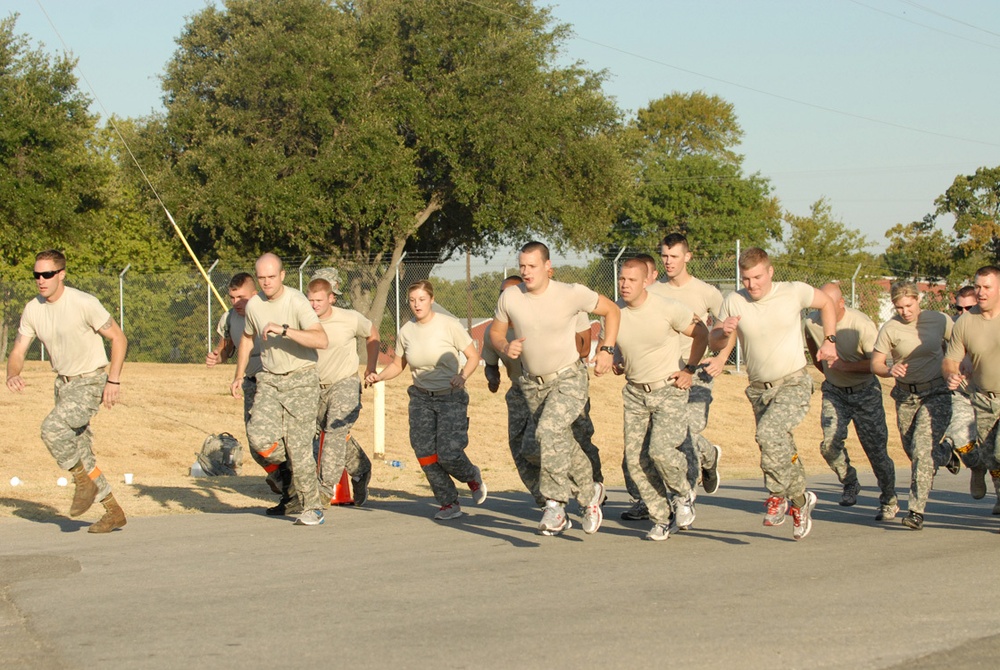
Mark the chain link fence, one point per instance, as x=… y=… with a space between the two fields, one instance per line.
x=171 y=317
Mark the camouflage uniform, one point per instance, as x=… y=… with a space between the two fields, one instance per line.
x=961 y=431
x=986 y=453
x=282 y=426
x=66 y=429
x=439 y=434
x=862 y=407
x=777 y=411
x=554 y=406
x=702 y=453
x=339 y=408
x=922 y=417
x=521 y=440
x=583 y=433
x=655 y=435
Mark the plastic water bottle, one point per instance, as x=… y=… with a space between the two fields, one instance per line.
x=395 y=464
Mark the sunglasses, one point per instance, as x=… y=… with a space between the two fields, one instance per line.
x=963 y=308
x=48 y=274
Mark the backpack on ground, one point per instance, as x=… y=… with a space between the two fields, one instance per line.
x=221 y=454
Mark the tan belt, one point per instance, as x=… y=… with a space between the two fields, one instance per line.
x=653 y=386
x=545 y=379
x=777 y=382
x=69 y=378
x=434 y=394
x=917 y=388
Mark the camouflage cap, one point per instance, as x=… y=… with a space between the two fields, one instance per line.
x=332 y=276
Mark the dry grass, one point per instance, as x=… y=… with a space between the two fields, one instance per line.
x=168 y=410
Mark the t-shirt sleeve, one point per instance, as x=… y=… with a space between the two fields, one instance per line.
x=883 y=342
x=223 y=328
x=727 y=309
x=459 y=337
x=714 y=301
x=26 y=328
x=364 y=326
x=867 y=334
x=305 y=314
x=585 y=298
x=948 y=326
x=501 y=311
x=805 y=293
x=679 y=316
x=956 y=343
x=94 y=313
x=490 y=356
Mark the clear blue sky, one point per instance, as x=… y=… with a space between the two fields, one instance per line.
x=800 y=75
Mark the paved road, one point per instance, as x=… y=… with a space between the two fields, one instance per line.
x=385 y=586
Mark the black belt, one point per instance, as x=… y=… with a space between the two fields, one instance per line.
x=851 y=389
x=436 y=393
x=917 y=388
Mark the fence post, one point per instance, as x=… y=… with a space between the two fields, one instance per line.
x=854 y=279
x=397 y=290
x=208 y=301
x=614 y=267
x=121 y=297
x=308 y=258
x=739 y=354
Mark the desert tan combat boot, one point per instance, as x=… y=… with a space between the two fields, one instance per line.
x=114 y=517
x=86 y=491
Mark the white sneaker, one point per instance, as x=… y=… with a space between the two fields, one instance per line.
x=592 y=514
x=554 y=519
x=478 y=488
x=683 y=507
x=659 y=532
x=311 y=517
x=452 y=511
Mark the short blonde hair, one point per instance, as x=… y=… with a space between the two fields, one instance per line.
x=422 y=285
x=753 y=257
x=903 y=289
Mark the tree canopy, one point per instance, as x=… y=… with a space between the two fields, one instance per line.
x=691 y=179
x=363 y=129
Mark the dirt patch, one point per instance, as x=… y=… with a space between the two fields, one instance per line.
x=168 y=410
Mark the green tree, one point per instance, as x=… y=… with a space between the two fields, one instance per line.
x=364 y=129
x=50 y=180
x=918 y=250
x=690 y=179
x=974 y=201
x=822 y=245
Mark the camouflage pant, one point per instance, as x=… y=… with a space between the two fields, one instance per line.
x=282 y=425
x=961 y=431
x=249 y=393
x=339 y=408
x=777 y=411
x=702 y=452
x=66 y=429
x=439 y=434
x=986 y=454
x=583 y=433
x=922 y=418
x=864 y=409
x=655 y=441
x=554 y=406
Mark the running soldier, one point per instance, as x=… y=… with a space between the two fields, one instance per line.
x=914 y=340
x=283 y=420
x=71 y=323
x=766 y=317
x=705 y=301
x=655 y=397
x=340 y=387
x=960 y=437
x=977 y=336
x=852 y=394
x=230 y=329
x=554 y=382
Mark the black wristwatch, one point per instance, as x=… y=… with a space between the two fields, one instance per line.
x=610 y=350
x=284 y=329
x=831 y=338
x=691 y=369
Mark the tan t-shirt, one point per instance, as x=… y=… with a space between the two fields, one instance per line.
x=280 y=355
x=770 y=329
x=68 y=329
x=919 y=344
x=492 y=357
x=231 y=327
x=979 y=339
x=547 y=322
x=433 y=350
x=702 y=298
x=650 y=338
x=340 y=359
x=856 y=335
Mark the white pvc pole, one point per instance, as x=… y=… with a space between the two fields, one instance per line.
x=614 y=280
x=208 y=302
x=308 y=258
x=379 y=420
x=121 y=297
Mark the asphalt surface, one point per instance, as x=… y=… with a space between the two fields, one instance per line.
x=386 y=586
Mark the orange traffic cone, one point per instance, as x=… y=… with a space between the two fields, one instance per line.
x=342 y=491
